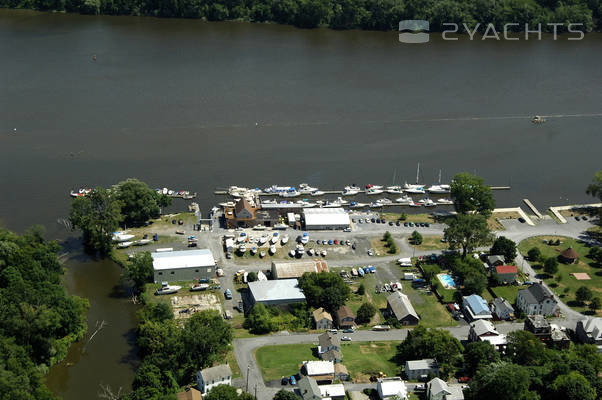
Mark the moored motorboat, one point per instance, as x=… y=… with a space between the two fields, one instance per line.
x=304 y=188
x=317 y=193
x=394 y=189
x=404 y=199
x=351 y=190
x=445 y=201
x=80 y=192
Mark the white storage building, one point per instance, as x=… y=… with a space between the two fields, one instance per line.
x=281 y=291
x=326 y=219
x=184 y=265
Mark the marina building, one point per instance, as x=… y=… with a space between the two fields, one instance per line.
x=325 y=219
x=276 y=292
x=295 y=269
x=184 y=265
x=246 y=214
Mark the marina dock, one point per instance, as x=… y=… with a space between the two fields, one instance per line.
x=532 y=207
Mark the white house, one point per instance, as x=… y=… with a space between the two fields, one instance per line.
x=389 y=387
x=536 y=300
x=208 y=378
x=415 y=369
x=438 y=389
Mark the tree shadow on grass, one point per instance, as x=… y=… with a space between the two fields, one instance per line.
x=574 y=303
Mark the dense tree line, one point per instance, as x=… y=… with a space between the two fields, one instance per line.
x=527 y=370
x=172 y=354
x=38 y=320
x=100 y=213
x=343 y=14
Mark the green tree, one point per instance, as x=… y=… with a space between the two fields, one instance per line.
x=467 y=232
x=431 y=343
x=139 y=202
x=416 y=238
x=430 y=271
x=550 y=266
x=392 y=248
x=504 y=247
x=595 y=304
x=595 y=253
x=157 y=312
x=140 y=269
x=524 y=348
x=361 y=290
x=502 y=381
x=573 y=386
x=226 y=392
x=387 y=236
x=325 y=289
x=534 y=254
x=97 y=215
x=470 y=193
x=583 y=294
x=471 y=273
x=365 y=313
x=259 y=320
x=252 y=277
x=285 y=395
x=478 y=355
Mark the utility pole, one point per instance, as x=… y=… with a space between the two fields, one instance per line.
x=248 y=368
x=255 y=390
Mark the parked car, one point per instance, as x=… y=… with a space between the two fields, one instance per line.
x=398 y=223
x=411 y=224
x=336 y=241
x=346 y=339
x=333 y=331
x=405 y=224
x=373 y=220
x=577 y=218
x=584 y=218
x=521 y=220
x=284 y=381
x=391 y=223
x=293 y=380
x=228 y=294
x=427 y=224
x=463 y=379
x=348 y=331
x=347 y=230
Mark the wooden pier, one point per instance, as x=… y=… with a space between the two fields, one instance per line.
x=532 y=207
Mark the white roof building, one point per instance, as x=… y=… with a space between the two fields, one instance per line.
x=389 y=387
x=182 y=259
x=281 y=291
x=318 y=367
x=335 y=390
x=326 y=218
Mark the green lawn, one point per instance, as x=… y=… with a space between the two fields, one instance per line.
x=563 y=283
x=424 y=217
x=283 y=360
x=380 y=247
x=431 y=242
x=507 y=292
x=432 y=313
x=361 y=359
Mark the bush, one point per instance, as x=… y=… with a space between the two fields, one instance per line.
x=403 y=217
x=361 y=290
x=534 y=254
x=583 y=294
x=550 y=266
x=365 y=313
x=387 y=236
x=252 y=276
x=416 y=238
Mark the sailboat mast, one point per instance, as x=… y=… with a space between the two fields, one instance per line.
x=417 y=173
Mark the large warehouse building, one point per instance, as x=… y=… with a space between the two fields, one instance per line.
x=295 y=269
x=184 y=265
x=284 y=291
x=326 y=219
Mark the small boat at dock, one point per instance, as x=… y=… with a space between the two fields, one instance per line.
x=304 y=188
x=316 y=193
x=80 y=192
x=445 y=201
x=373 y=191
x=351 y=190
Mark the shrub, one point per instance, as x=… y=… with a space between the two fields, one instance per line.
x=534 y=254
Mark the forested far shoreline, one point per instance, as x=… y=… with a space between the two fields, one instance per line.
x=379 y=15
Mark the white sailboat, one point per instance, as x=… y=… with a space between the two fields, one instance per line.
x=439 y=188
x=417 y=187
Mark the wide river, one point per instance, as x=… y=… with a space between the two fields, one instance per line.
x=196 y=105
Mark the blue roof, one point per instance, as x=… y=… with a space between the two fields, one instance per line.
x=477 y=304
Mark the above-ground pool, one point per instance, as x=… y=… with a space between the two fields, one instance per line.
x=447 y=281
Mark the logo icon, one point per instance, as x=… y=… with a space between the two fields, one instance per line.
x=413 y=31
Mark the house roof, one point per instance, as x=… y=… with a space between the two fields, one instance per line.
x=328 y=339
x=309 y=387
x=593 y=327
x=477 y=304
x=276 y=290
x=392 y=387
x=538 y=321
x=332 y=355
x=500 y=304
x=218 y=372
x=538 y=292
x=401 y=305
x=570 y=254
x=506 y=269
x=481 y=327
x=345 y=312
x=456 y=393
x=182 y=259
x=427 y=363
x=335 y=390
x=320 y=314
x=436 y=386
x=495 y=258
x=319 y=367
x=243 y=204
x=189 y=394
x=495 y=340
x=325 y=216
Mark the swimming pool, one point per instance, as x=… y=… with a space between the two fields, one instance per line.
x=447 y=281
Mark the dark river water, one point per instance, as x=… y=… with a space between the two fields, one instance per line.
x=195 y=105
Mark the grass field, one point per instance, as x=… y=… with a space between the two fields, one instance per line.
x=432 y=313
x=430 y=242
x=424 y=217
x=361 y=359
x=283 y=360
x=380 y=247
x=507 y=292
x=563 y=283
x=231 y=360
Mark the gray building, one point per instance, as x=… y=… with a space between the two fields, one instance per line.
x=589 y=331
x=398 y=305
x=502 y=308
x=281 y=291
x=417 y=369
x=184 y=265
x=209 y=378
